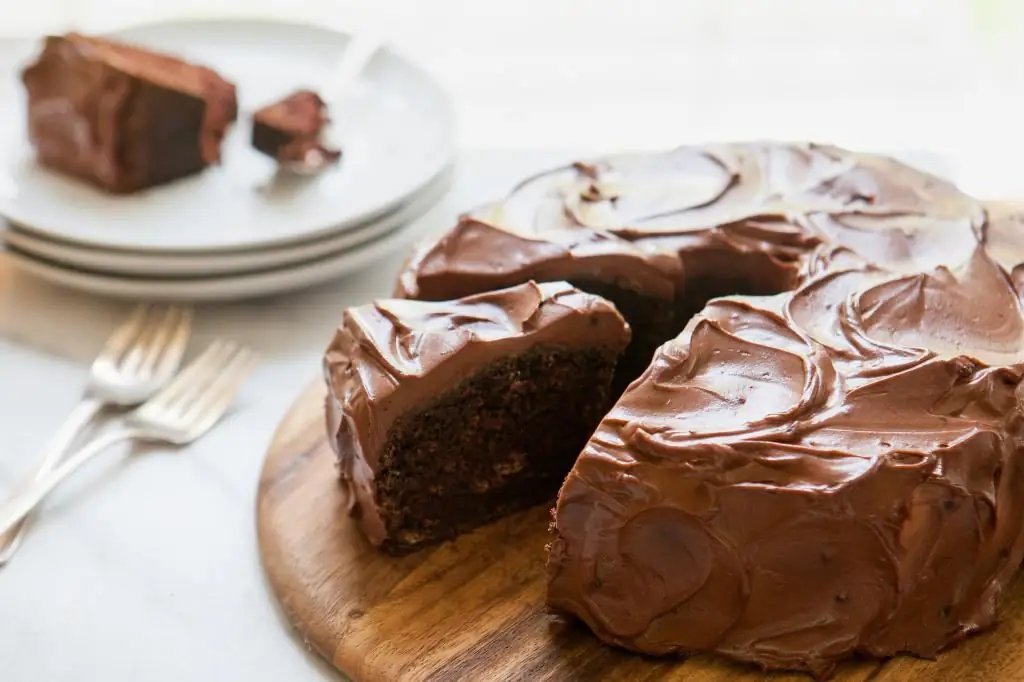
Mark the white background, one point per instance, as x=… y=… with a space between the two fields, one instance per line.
x=942 y=74
x=146 y=568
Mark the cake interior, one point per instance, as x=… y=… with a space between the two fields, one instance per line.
x=188 y=86
x=501 y=441
x=299 y=114
x=651 y=321
x=712 y=274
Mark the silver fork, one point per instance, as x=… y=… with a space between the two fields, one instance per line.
x=180 y=413
x=138 y=358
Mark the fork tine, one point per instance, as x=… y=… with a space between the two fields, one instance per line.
x=171 y=359
x=193 y=372
x=218 y=409
x=131 y=361
x=199 y=372
x=164 y=343
x=211 y=403
x=119 y=341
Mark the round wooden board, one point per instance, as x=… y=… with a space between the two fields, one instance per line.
x=473 y=609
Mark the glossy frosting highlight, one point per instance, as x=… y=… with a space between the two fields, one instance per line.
x=393 y=356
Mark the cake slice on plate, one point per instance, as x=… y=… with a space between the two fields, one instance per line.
x=122 y=117
x=289 y=130
x=447 y=415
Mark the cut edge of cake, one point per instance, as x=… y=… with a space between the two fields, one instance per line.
x=448 y=415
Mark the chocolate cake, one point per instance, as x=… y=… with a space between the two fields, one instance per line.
x=718 y=220
x=804 y=477
x=478 y=256
x=122 y=117
x=825 y=461
x=447 y=415
x=289 y=130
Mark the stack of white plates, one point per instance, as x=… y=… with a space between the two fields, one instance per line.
x=238 y=230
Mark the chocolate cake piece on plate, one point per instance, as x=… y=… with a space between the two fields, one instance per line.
x=290 y=130
x=448 y=415
x=122 y=117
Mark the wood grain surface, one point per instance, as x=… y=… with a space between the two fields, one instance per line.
x=473 y=609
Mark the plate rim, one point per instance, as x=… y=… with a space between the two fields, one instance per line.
x=206 y=264
x=449 y=122
x=238 y=287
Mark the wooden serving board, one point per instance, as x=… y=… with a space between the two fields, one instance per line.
x=473 y=609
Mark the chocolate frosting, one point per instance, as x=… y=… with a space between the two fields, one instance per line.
x=393 y=356
x=73 y=104
x=756 y=215
x=79 y=89
x=478 y=255
x=832 y=470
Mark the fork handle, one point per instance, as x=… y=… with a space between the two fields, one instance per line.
x=81 y=416
x=26 y=499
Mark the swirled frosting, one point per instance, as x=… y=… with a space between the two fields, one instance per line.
x=737 y=218
x=393 y=356
x=831 y=470
x=826 y=461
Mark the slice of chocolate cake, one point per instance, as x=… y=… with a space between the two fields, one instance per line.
x=122 y=117
x=478 y=255
x=447 y=415
x=289 y=130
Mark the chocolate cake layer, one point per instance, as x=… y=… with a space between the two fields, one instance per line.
x=122 y=117
x=289 y=130
x=478 y=405
x=835 y=470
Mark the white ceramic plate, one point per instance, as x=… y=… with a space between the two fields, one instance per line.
x=397 y=128
x=210 y=264
x=234 y=287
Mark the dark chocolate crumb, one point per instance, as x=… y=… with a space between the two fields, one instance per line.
x=468 y=458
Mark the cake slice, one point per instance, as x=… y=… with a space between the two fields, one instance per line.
x=122 y=117
x=447 y=415
x=479 y=255
x=289 y=130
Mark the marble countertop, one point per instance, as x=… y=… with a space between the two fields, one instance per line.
x=145 y=566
